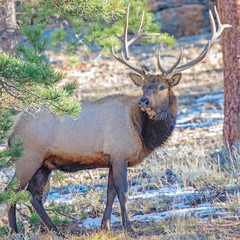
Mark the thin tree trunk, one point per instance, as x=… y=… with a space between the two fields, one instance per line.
x=8 y=26
x=229 y=12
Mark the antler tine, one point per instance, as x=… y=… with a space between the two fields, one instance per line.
x=193 y=62
x=126 y=43
x=125 y=46
x=138 y=34
x=177 y=62
x=213 y=24
x=135 y=68
x=159 y=65
x=125 y=62
x=215 y=34
x=221 y=26
x=167 y=72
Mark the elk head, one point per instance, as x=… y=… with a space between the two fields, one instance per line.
x=157 y=87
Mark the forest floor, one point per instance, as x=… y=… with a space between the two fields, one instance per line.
x=188 y=189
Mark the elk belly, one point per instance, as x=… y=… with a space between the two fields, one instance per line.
x=71 y=163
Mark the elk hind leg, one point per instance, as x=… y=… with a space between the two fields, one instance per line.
x=37 y=186
x=120 y=181
x=111 y=194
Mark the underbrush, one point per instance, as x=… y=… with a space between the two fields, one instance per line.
x=207 y=168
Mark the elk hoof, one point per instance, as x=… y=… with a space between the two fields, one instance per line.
x=129 y=227
x=106 y=225
x=59 y=234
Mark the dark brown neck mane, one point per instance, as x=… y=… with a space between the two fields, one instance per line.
x=155 y=132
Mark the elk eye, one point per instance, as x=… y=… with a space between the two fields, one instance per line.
x=161 y=87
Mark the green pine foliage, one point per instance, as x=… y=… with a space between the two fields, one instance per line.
x=9 y=156
x=77 y=11
x=79 y=23
x=94 y=9
x=34 y=219
x=27 y=79
x=11 y=197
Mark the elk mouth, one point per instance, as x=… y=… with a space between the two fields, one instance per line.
x=151 y=113
x=146 y=109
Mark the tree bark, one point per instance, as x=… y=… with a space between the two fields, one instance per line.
x=8 y=26
x=229 y=12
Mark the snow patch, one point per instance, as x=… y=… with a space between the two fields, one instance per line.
x=199 y=213
x=93 y=223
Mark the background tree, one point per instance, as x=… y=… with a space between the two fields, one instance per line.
x=8 y=25
x=230 y=13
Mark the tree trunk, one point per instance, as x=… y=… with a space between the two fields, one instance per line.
x=229 y=12
x=8 y=26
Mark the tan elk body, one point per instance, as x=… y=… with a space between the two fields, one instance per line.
x=94 y=140
x=115 y=132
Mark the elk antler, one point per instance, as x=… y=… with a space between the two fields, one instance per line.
x=166 y=72
x=126 y=44
x=215 y=34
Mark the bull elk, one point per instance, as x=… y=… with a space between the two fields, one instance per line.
x=115 y=132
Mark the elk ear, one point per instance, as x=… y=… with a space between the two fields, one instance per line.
x=175 y=79
x=137 y=79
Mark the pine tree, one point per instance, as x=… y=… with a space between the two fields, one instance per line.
x=79 y=23
x=230 y=13
x=26 y=84
x=8 y=26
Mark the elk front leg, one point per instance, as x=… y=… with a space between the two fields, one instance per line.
x=37 y=186
x=11 y=209
x=111 y=194
x=120 y=181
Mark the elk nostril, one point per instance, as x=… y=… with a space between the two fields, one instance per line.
x=144 y=102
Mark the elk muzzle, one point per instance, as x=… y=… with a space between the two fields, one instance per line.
x=144 y=102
